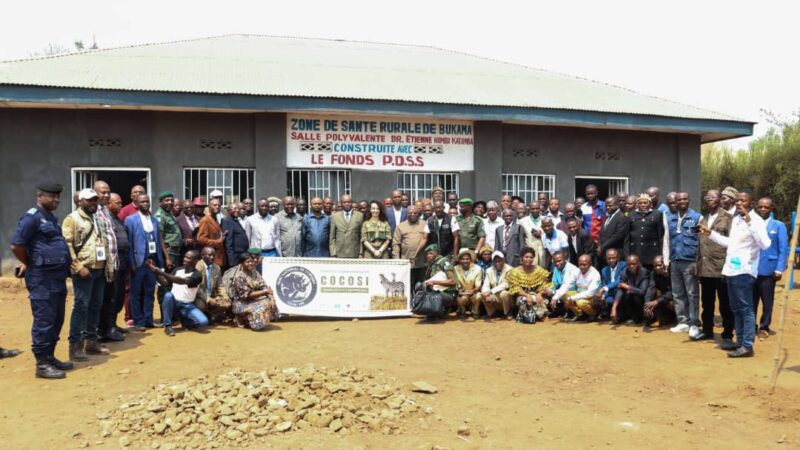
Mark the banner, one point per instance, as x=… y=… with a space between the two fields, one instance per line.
x=378 y=143
x=339 y=287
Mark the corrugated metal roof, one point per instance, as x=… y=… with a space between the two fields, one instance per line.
x=283 y=66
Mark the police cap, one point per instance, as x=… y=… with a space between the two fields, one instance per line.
x=50 y=188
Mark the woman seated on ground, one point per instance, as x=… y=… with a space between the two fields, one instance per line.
x=525 y=282
x=376 y=233
x=253 y=305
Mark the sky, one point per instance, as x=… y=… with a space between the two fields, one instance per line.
x=734 y=57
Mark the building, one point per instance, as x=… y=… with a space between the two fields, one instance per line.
x=258 y=115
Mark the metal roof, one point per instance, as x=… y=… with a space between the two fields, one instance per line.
x=334 y=69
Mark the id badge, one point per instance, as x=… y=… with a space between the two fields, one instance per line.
x=151 y=247
x=101 y=253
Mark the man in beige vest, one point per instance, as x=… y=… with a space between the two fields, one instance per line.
x=345 y=231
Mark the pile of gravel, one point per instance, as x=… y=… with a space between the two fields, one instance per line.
x=237 y=407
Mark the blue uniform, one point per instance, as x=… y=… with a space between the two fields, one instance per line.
x=48 y=267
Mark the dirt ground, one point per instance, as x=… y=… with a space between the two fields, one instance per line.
x=549 y=385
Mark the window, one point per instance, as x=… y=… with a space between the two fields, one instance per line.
x=235 y=184
x=529 y=186
x=307 y=184
x=419 y=185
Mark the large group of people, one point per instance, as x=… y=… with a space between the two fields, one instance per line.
x=627 y=259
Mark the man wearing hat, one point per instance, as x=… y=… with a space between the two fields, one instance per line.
x=437 y=195
x=494 y=291
x=217 y=194
x=44 y=259
x=729 y=200
x=89 y=253
x=471 y=231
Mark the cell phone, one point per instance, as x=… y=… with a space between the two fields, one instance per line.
x=695 y=229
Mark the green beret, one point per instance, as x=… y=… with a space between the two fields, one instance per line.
x=254 y=251
x=465 y=201
x=164 y=195
x=432 y=248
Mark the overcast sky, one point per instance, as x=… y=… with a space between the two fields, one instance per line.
x=732 y=57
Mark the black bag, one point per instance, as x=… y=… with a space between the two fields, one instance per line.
x=427 y=303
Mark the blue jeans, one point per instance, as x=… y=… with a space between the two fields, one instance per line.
x=143 y=289
x=740 y=294
x=189 y=314
x=86 y=309
x=685 y=292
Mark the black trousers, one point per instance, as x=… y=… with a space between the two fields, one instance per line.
x=764 y=290
x=632 y=308
x=113 y=302
x=710 y=289
x=417 y=275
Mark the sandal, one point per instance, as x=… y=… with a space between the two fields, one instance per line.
x=8 y=353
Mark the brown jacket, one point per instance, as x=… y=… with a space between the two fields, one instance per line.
x=710 y=255
x=209 y=234
x=407 y=240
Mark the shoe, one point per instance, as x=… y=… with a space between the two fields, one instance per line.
x=763 y=334
x=5 y=353
x=629 y=322
x=694 y=331
x=680 y=328
x=575 y=318
x=138 y=328
x=76 y=352
x=60 y=365
x=741 y=352
x=169 y=331
x=591 y=318
x=130 y=323
x=47 y=371
x=728 y=344
x=120 y=330
x=92 y=347
x=112 y=336
x=702 y=336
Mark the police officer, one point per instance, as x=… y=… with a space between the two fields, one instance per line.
x=44 y=262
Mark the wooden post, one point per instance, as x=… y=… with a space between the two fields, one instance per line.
x=786 y=287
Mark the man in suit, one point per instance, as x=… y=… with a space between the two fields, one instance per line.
x=771 y=264
x=510 y=238
x=210 y=297
x=236 y=241
x=580 y=241
x=397 y=213
x=614 y=229
x=345 y=230
x=610 y=277
x=209 y=231
x=189 y=221
x=634 y=285
x=145 y=244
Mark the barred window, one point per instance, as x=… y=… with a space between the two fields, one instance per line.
x=419 y=185
x=307 y=184
x=235 y=184
x=529 y=186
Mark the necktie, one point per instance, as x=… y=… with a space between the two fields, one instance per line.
x=507 y=237
x=347 y=216
x=208 y=280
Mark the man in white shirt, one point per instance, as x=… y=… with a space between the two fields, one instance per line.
x=578 y=296
x=747 y=238
x=263 y=229
x=492 y=222
x=553 y=240
x=185 y=281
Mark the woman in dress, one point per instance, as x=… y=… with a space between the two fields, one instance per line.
x=253 y=305
x=525 y=282
x=375 y=233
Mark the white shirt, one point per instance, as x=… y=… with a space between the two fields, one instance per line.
x=398 y=213
x=571 y=273
x=489 y=227
x=454 y=226
x=711 y=219
x=556 y=218
x=147 y=224
x=556 y=243
x=744 y=244
x=182 y=292
x=586 y=283
x=264 y=232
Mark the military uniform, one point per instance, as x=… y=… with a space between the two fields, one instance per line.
x=47 y=270
x=471 y=231
x=171 y=235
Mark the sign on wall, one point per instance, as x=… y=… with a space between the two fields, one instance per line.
x=339 y=287
x=378 y=143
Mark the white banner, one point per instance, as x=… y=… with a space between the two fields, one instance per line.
x=378 y=143
x=339 y=287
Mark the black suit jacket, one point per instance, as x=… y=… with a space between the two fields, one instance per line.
x=585 y=246
x=612 y=234
x=236 y=241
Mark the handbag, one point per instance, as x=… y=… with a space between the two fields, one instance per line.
x=427 y=303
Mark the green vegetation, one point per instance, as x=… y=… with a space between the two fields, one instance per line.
x=770 y=166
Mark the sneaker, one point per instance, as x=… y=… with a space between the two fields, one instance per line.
x=169 y=331
x=741 y=352
x=694 y=331
x=680 y=328
x=728 y=344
